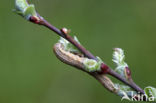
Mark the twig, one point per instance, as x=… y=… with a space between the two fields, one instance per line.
x=105 y=68
x=66 y=36
x=30 y=14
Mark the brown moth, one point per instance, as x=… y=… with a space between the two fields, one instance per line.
x=76 y=59
x=78 y=62
x=68 y=57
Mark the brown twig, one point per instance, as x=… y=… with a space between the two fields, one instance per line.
x=105 y=68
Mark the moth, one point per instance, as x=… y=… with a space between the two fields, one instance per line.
x=69 y=55
x=83 y=63
x=78 y=62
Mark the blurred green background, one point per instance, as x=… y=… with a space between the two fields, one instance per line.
x=29 y=70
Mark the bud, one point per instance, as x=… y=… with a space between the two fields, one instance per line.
x=119 y=60
x=24 y=9
x=127 y=73
x=65 y=30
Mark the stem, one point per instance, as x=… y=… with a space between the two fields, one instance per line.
x=130 y=83
x=85 y=52
x=69 y=38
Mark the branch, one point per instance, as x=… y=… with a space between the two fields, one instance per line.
x=29 y=13
x=106 y=69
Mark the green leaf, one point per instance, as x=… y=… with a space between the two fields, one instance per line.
x=68 y=46
x=30 y=11
x=119 y=60
x=92 y=65
x=20 y=5
x=24 y=9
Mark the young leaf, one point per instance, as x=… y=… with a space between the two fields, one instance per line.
x=68 y=46
x=118 y=59
x=24 y=9
x=92 y=65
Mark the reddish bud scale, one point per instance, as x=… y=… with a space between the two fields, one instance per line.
x=128 y=72
x=104 y=68
x=64 y=30
x=34 y=20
